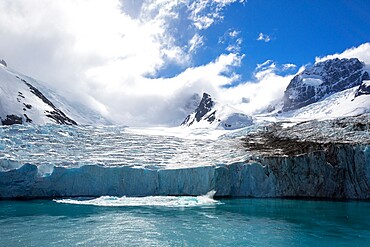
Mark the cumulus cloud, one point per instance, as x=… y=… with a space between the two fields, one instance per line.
x=195 y=42
x=264 y=37
x=267 y=89
x=289 y=66
x=361 y=52
x=232 y=38
x=205 y=12
x=235 y=42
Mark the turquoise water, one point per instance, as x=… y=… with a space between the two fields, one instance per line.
x=235 y=222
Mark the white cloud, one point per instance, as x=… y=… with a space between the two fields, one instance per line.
x=162 y=101
x=264 y=37
x=253 y=96
x=195 y=42
x=233 y=39
x=289 y=66
x=204 y=13
x=236 y=46
x=361 y=52
x=265 y=64
x=234 y=33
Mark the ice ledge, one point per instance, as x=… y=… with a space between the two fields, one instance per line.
x=344 y=173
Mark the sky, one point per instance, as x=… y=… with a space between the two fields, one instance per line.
x=140 y=62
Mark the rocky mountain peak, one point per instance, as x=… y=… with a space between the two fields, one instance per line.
x=322 y=80
x=2 y=61
x=205 y=106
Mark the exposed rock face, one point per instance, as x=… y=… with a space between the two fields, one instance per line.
x=340 y=172
x=205 y=106
x=12 y=119
x=323 y=79
x=363 y=89
x=38 y=104
x=57 y=115
x=2 y=61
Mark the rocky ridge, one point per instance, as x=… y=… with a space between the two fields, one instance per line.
x=323 y=79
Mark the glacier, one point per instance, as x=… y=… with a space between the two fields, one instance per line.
x=260 y=161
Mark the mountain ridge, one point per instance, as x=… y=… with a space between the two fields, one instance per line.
x=329 y=89
x=322 y=80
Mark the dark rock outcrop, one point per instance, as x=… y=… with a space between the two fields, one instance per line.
x=205 y=106
x=2 y=61
x=322 y=80
x=363 y=89
x=12 y=119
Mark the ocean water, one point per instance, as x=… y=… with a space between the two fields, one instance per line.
x=183 y=221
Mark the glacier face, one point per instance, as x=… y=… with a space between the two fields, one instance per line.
x=111 y=161
x=342 y=173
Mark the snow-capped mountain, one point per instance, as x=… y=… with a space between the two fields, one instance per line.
x=322 y=80
x=212 y=114
x=24 y=100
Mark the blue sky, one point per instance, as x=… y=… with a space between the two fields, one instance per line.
x=139 y=62
x=293 y=31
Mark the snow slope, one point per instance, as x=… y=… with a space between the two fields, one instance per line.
x=26 y=100
x=341 y=104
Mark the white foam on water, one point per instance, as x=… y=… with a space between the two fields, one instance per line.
x=156 y=201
